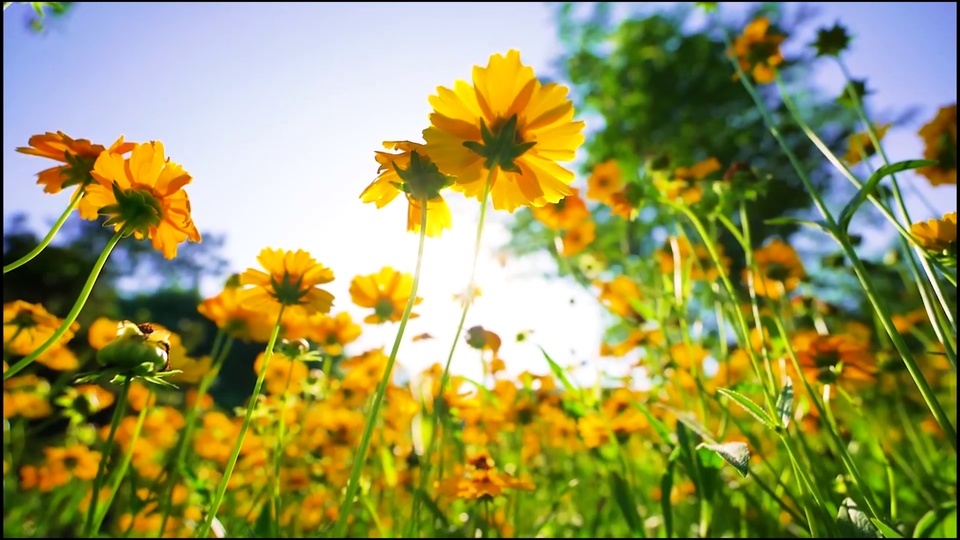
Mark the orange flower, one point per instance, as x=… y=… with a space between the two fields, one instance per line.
x=579 y=237
x=605 y=181
x=779 y=270
x=860 y=145
x=937 y=235
x=387 y=292
x=940 y=138
x=79 y=156
x=26 y=326
x=565 y=214
x=831 y=359
x=619 y=296
x=758 y=50
x=291 y=279
x=142 y=195
x=331 y=333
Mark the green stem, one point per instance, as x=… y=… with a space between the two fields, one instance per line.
x=278 y=454
x=74 y=312
x=121 y=470
x=204 y=530
x=438 y=413
x=360 y=458
x=180 y=452
x=118 y=412
x=49 y=237
x=862 y=275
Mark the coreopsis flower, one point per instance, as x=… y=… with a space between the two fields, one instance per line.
x=831 y=41
x=860 y=145
x=605 y=181
x=483 y=340
x=620 y=296
x=509 y=126
x=27 y=326
x=938 y=236
x=758 y=50
x=386 y=291
x=564 y=214
x=684 y=184
x=144 y=348
x=831 y=359
x=332 y=332
x=480 y=480
x=291 y=279
x=940 y=140
x=78 y=156
x=412 y=173
x=101 y=332
x=779 y=270
x=27 y=396
x=577 y=238
x=59 y=359
x=284 y=374
x=225 y=311
x=142 y=195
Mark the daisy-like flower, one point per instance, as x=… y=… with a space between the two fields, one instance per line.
x=758 y=50
x=780 y=270
x=940 y=138
x=937 y=235
x=27 y=326
x=387 y=292
x=142 y=195
x=78 y=156
x=291 y=279
x=332 y=332
x=605 y=181
x=565 y=214
x=860 y=145
x=832 y=359
x=412 y=173
x=576 y=239
x=509 y=126
x=480 y=480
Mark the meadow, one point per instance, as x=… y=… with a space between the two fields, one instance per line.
x=763 y=394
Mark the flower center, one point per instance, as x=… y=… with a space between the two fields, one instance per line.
x=137 y=210
x=288 y=291
x=384 y=308
x=777 y=271
x=502 y=146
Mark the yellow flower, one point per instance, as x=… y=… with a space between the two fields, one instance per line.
x=565 y=214
x=700 y=268
x=291 y=279
x=284 y=374
x=940 y=138
x=331 y=333
x=779 y=270
x=387 y=292
x=26 y=396
x=579 y=237
x=758 y=51
x=27 y=326
x=509 y=124
x=860 y=145
x=142 y=195
x=831 y=359
x=101 y=332
x=604 y=182
x=619 y=296
x=59 y=359
x=411 y=172
x=79 y=156
x=937 y=234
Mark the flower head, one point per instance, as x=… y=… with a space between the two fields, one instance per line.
x=860 y=145
x=332 y=332
x=509 y=125
x=291 y=279
x=564 y=214
x=758 y=50
x=142 y=195
x=779 y=270
x=27 y=326
x=412 y=173
x=831 y=359
x=78 y=155
x=940 y=138
x=938 y=235
x=577 y=238
x=605 y=181
x=387 y=292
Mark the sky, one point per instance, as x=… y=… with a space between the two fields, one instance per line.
x=276 y=111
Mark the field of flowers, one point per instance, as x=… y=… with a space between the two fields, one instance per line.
x=763 y=411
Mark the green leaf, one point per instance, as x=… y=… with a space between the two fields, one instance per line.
x=433 y=508
x=750 y=406
x=658 y=426
x=886 y=530
x=797 y=221
x=736 y=454
x=785 y=402
x=867 y=189
x=852 y=523
x=560 y=374
x=627 y=504
x=691 y=422
x=666 y=486
x=928 y=524
x=263 y=527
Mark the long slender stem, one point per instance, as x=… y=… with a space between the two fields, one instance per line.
x=866 y=283
x=74 y=312
x=50 y=235
x=360 y=458
x=204 y=528
x=118 y=411
x=180 y=452
x=438 y=412
x=122 y=469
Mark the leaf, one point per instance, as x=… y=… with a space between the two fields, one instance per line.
x=736 y=454
x=627 y=504
x=559 y=373
x=785 y=402
x=750 y=407
x=432 y=506
x=658 y=426
x=263 y=527
x=797 y=221
x=690 y=421
x=852 y=523
x=666 y=506
x=871 y=184
x=928 y=524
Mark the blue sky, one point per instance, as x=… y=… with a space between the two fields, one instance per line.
x=276 y=110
